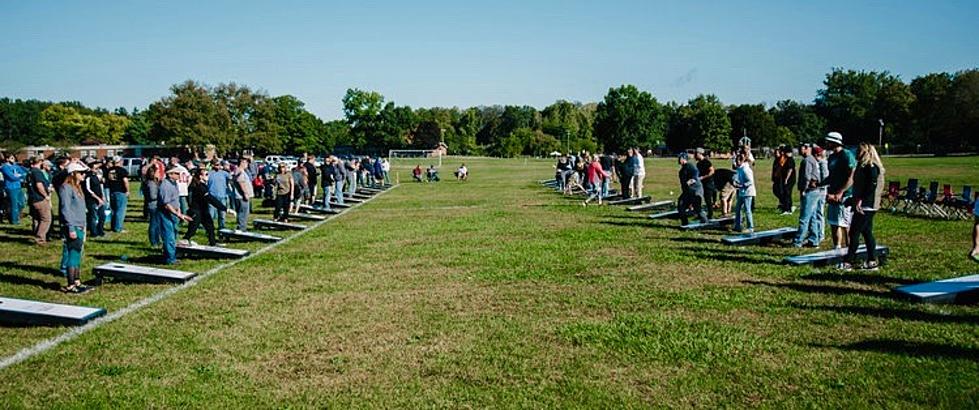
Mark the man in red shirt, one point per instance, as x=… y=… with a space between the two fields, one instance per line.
x=595 y=175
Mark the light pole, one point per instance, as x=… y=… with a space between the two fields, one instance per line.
x=880 y=135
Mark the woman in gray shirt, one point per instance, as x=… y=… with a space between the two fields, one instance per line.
x=72 y=207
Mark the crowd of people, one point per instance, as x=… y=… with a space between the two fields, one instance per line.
x=594 y=174
x=94 y=193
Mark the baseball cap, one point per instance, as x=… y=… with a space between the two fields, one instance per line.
x=684 y=155
x=76 y=167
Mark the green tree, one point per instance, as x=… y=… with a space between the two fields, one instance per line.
x=363 y=112
x=964 y=103
x=191 y=117
x=702 y=122
x=629 y=118
x=801 y=119
x=853 y=101
x=755 y=121
x=396 y=127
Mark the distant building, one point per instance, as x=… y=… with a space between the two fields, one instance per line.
x=98 y=151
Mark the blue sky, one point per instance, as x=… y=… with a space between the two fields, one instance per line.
x=457 y=53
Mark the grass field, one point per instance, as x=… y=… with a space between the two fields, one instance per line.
x=497 y=292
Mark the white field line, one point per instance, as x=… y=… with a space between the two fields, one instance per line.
x=48 y=344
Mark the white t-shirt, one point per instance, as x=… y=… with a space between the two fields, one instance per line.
x=642 y=165
x=183 y=181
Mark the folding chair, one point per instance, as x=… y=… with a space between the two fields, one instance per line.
x=929 y=204
x=909 y=200
x=946 y=203
x=962 y=205
x=893 y=195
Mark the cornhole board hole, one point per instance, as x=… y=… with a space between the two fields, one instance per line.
x=318 y=210
x=757 y=238
x=650 y=206
x=248 y=236
x=133 y=273
x=964 y=289
x=668 y=214
x=307 y=217
x=281 y=226
x=834 y=256
x=628 y=201
x=713 y=223
x=31 y=312
x=211 y=252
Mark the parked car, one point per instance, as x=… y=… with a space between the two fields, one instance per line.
x=132 y=166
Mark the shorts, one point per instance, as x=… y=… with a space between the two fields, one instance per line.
x=839 y=215
x=727 y=193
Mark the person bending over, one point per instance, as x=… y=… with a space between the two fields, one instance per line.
x=692 y=191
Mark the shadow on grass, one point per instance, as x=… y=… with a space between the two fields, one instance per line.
x=824 y=289
x=729 y=254
x=864 y=278
x=20 y=280
x=153 y=259
x=632 y=224
x=17 y=239
x=911 y=349
x=684 y=239
x=15 y=230
x=44 y=270
x=902 y=314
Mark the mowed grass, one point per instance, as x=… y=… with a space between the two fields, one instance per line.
x=497 y=292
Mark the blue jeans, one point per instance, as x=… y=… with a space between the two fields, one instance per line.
x=387 y=178
x=338 y=190
x=168 y=229
x=744 y=205
x=217 y=215
x=808 y=228
x=244 y=208
x=818 y=226
x=16 y=198
x=119 y=202
x=352 y=183
x=95 y=219
x=605 y=184
x=154 y=232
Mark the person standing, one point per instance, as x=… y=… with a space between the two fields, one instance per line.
x=809 y=193
x=39 y=196
x=170 y=214
x=245 y=191
x=868 y=188
x=386 y=171
x=327 y=179
x=72 y=208
x=352 y=167
x=118 y=181
x=625 y=175
x=312 y=179
x=151 y=195
x=200 y=203
x=692 y=191
x=340 y=173
x=841 y=164
x=639 y=173
x=13 y=175
x=94 y=200
x=744 y=181
x=706 y=170
x=595 y=174
x=217 y=186
x=284 y=189
x=974 y=254
x=783 y=178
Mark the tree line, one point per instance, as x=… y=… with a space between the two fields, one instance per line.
x=936 y=113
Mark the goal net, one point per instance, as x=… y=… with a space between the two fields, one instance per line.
x=419 y=154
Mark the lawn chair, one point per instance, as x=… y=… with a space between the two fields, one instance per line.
x=893 y=196
x=961 y=206
x=909 y=201
x=929 y=203
x=946 y=202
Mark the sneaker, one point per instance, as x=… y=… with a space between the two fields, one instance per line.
x=845 y=266
x=793 y=210
x=786 y=213
x=184 y=242
x=871 y=266
x=584 y=204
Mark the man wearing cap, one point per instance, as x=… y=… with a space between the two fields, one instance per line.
x=809 y=194
x=39 y=196
x=118 y=181
x=13 y=174
x=243 y=188
x=692 y=190
x=706 y=170
x=217 y=187
x=170 y=214
x=841 y=165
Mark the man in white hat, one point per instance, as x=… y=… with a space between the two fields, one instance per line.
x=842 y=163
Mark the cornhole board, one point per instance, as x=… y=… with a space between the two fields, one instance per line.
x=628 y=201
x=713 y=223
x=318 y=210
x=133 y=273
x=668 y=214
x=370 y=191
x=268 y=224
x=307 y=217
x=833 y=256
x=333 y=204
x=31 y=312
x=650 y=206
x=347 y=200
x=213 y=252
x=963 y=289
x=357 y=196
x=757 y=238
x=248 y=236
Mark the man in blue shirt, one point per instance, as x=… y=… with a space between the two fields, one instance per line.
x=839 y=184
x=13 y=175
x=217 y=187
x=169 y=208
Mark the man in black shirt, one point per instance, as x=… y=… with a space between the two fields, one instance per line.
x=692 y=191
x=39 y=197
x=118 y=180
x=311 y=176
x=95 y=200
x=706 y=170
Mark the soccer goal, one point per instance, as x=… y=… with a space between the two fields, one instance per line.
x=415 y=153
